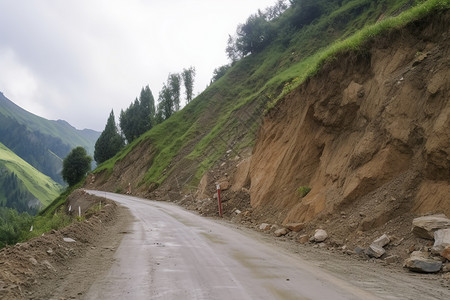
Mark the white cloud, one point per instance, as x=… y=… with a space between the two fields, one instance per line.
x=77 y=59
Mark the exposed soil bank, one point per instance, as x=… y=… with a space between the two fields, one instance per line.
x=49 y=267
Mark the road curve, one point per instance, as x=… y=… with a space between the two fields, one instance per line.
x=171 y=253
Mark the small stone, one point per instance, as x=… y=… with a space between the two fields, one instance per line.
x=49 y=251
x=381 y=241
x=446 y=267
x=375 y=251
x=281 y=232
x=441 y=240
x=320 y=235
x=48 y=265
x=264 y=227
x=359 y=251
x=391 y=259
x=296 y=227
x=68 y=240
x=446 y=253
x=303 y=239
x=33 y=261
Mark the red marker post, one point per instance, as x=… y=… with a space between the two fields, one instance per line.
x=219 y=201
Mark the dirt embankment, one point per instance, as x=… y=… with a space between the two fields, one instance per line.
x=370 y=135
x=59 y=262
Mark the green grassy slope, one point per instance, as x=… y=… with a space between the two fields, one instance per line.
x=227 y=114
x=41 y=186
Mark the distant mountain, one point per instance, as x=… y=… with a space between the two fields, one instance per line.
x=40 y=142
x=22 y=187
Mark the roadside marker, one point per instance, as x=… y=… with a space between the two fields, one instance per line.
x=219 y=201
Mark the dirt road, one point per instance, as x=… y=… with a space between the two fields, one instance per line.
x=170 y=253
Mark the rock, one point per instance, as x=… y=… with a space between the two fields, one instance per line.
x=382 y=241
x=422 y=263
x=48 y=265
x=49 y=251
x=425 y=227
x=320 y=235
x=33 y=261
x=296 y=227
x=446 y=253
x=441 y=240
x=376 y=248
x=69 y=240
x=224 y=185
x=391 y=259
x=375 y=251
x=359 y=251
x=281 y=232
x=303 y=239
x=446 y=267
x=264 y=227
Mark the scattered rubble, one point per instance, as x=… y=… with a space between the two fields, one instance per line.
x=424 y=227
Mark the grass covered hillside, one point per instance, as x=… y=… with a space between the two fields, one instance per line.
x=224 y=119
x=22 y=186
x=41 y=142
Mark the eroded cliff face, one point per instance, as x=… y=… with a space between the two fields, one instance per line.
x=370 y=132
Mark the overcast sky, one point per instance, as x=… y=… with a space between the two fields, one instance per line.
x=77 y=59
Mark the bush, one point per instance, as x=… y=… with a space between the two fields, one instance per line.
x=303 y=191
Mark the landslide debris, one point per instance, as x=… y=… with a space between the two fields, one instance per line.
x=30 y=270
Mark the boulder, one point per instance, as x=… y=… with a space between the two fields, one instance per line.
x=422 y=263
x=281 y=232
x=296 y=227
x=425 y=227
x=320 y=235
x=441 y=240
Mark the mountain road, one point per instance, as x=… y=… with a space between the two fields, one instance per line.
x=171 y=253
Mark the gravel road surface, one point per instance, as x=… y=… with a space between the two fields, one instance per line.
x=171 y=253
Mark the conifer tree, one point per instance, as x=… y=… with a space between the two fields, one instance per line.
x=110 y=141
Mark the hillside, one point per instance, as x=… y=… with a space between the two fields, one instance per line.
x=40 y=142
x=361 y=118
x=22 y=186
